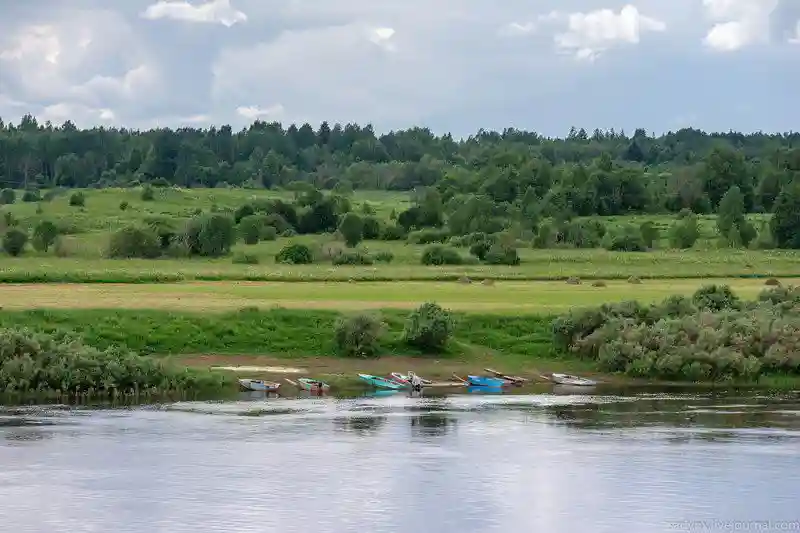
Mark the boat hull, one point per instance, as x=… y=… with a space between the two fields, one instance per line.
x=259 y=385
x=485 y=381
x=575 y=381
x=312 y=385
x=381 y=383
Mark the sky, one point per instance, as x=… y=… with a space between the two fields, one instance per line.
x=453 y=66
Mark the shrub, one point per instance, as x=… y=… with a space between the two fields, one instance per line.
x=295 y=254
x=428 y=328
x=8 y=196
x=352 y=229
x=133 y=241
x=384 y=256
x=393 y=232
x=428 y=236
x=210 y=235
x=480 y=249
x=572 y=280
x=650 y=234
x=502 y=255
x=147 y=194
x=372 y=227
x=14 y=242
x=359 y=335
x=77 y=199
x=599 y=283
x=245 y=259
x=352 y=257
x=250 y=229
x=683 y=233
x=44 y=235
x=627 y=239
x=772 y=282
x=269 y=233
x=31 y=195
x=123 y=205
x=441 y=255
x=715 y=298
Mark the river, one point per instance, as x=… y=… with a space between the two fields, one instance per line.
x=575 y=463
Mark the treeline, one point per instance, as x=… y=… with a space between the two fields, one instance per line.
x=597 y=173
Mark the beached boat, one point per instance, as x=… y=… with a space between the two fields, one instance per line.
x=405 y=379
x=486 y=381
x=382 y=383
x=312 y=384
x=259 y=385
x=568 y=379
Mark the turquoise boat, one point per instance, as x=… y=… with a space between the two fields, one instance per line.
x=381 y=383
x=485 y=381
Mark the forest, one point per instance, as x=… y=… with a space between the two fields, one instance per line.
x=599 y=173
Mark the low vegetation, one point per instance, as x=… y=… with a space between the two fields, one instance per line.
x=712 y=336
x=58 y=364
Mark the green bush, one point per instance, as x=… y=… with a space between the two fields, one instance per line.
x=77 y=199
x=351 y=228
x=123 y=205
x=8 y=196
x=39 y=363
x=715 y=298
x=372 y=227
x=502 y=255
x=14 y=242
x=393 y=232
x=428 y=236
x=438 y=255
x=134 y=241
x=210 y=235
x=359 y=335
x=31 y=195
x=245 y=259
x=428 y=328
x=384 y=256
x=295 y=254
x=250 y=229
x=352 y=257
x=269 y=233
x=480 y=249
x=147 y=194
x=44 y=235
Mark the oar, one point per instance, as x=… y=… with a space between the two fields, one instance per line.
x=509 y=378
x=291 y=382
x=459 y=378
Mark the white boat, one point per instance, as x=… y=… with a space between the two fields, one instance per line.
x=568 y=379
x=259 y=385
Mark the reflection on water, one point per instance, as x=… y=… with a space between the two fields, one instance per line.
x=547 y=462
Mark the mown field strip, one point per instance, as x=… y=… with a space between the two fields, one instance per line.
x=506 y=296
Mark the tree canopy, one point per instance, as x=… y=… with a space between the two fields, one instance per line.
x=597 y=173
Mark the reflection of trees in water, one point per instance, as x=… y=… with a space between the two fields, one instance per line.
x=362 y=425
x=746 y=413
x=24 y=429
x=433 y=424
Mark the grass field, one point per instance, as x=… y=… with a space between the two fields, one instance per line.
x=502 y=297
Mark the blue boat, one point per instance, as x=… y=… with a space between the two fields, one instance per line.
x=485 y=381
x=381 y=383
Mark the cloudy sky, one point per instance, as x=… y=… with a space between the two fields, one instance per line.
x=451 y=65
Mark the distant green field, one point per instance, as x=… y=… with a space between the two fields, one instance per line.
x=504 y=297
x=88 y=229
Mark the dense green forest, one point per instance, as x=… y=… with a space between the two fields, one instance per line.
x=597 y=173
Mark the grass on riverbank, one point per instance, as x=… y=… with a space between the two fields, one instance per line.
x=501 y=297
x=536 y=265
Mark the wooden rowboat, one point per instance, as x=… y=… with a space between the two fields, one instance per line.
x=259 y=385
x=568 y=379
x=313 y=385
x=405 y=379
x=382 y=383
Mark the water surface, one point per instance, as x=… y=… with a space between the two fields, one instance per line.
x=545 y=462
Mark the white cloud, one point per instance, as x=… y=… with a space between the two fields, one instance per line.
x=382 y=37
x=738 y=23
x=590 y=34
x=77 y=113
x=255 y=112
x=516 y=29
x=213 y=12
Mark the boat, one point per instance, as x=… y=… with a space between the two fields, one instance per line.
x=259 y=385
x=568 y=379
x=382 y=383
x=309 y=384
x=485 y=381
x=405 y=379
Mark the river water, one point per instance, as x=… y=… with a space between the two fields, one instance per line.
x=625 y=463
